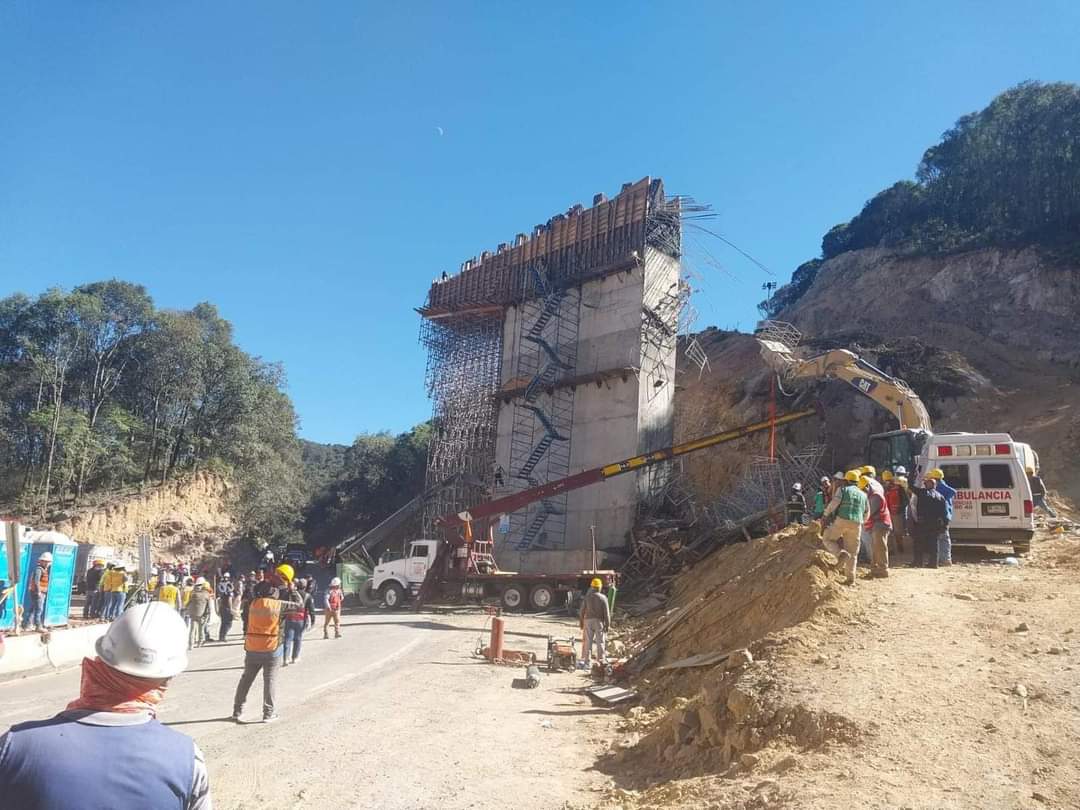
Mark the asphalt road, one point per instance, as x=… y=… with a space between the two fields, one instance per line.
x=398 y=713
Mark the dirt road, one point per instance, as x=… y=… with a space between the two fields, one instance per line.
x=397 y=714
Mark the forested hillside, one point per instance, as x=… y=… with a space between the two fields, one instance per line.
x=100 y=390
x=1007 y=176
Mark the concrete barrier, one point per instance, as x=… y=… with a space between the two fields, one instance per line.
x=27 y=654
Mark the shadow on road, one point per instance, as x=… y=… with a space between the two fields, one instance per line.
x=568 y=713
x=225 y=719
x=212 y=669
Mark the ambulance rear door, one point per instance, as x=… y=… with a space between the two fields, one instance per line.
x=1004 y=497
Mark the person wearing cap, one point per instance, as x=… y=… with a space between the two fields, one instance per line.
x=92 y=605
x=594 y=618
x=38 y=587
x=107 y=748
x=795 y=507
x=847 y=510
x=264 y=645
x=928 y=517
x=333 y=599
x=198 y=612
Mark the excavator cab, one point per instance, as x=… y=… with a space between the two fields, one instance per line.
x=887 y=451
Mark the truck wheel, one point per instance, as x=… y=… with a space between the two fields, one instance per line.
x=393 y=595
x=513 y=597
x=542 y=597
x=369 y=597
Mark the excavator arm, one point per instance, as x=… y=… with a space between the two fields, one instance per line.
x=892 y=394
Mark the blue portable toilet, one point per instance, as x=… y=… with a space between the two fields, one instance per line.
x=7 y=607
x=63 y=548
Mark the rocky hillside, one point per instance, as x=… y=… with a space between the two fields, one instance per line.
x=187 y=517
x=988 y=338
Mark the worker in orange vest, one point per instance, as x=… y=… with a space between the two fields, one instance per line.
x=39 y=592
x=264 y=641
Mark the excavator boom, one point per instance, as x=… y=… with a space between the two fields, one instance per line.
x=892 y=394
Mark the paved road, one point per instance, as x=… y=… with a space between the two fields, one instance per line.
x=395 y=714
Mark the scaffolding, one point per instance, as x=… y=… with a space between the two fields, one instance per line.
x=464 y=356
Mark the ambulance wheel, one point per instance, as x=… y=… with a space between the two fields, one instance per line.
x=1021 y=547
x=542 y=597
x=393 y=595
x=513 y=597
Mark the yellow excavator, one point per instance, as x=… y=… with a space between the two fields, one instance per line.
x=884 y=450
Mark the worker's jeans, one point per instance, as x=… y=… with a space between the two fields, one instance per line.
x=879 y=550
x=196 y=635
x=294 y=637
x=1040 y=503
x=36 y=615
x=595 y=634
x=926 y=548
x=944 y=548
x=226 y=625
x=115 y=604
x=866 y=539
x=842 y=539
x=252 y=665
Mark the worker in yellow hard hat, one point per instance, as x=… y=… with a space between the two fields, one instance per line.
x=876 y=528
x=944 y=542
x=264 y=640
x=92 y=605
x=595 y=620
x=886 y=476
x=844 y=515
x=285 y=573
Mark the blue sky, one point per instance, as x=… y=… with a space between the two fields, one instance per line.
x=283 y=160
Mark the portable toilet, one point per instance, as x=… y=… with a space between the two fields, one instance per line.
x=7 y=605
x=61 y=574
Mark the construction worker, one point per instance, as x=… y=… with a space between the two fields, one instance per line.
x=879 y=525
x=92 y=605
x=944 y=541
x=333 y=599
x=107 y=749
x=927 y=519
x=795 y=507
x=225 y=605
x=1038 y=494
x=114 y=584
x=264 y=645
x=896 y=497
x=822 y=497
x=198 y=612
x=595 y=620
x=308 y=593
x=295 y=619
x=169 y=593
x=847 y=509
x=38 y=587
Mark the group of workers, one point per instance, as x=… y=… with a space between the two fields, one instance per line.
x=123 y=686
x=866 y=518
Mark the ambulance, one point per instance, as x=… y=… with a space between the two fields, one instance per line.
x=993 y=504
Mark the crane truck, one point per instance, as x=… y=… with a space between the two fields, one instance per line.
x=461 y=565
x=989 y=471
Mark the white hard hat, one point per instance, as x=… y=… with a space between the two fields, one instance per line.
x=335 y=582
x=200 y=580
x=226 y=575
x=154 y=570
x=900 y=470
x=46 y=557
x=797 y=486
x=147 y=641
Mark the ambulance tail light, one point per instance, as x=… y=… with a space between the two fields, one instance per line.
x=1002 y=449
x=944 y=450
x=1029 y=508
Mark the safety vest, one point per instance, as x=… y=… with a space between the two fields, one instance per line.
x=168 y=593
x=187 y=594
x=878 y=513
x=41 y=581
x=892 y=498
x=264 y=625
x=334 y=598
x=852 y=503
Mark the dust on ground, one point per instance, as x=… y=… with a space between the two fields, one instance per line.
x=948 y=688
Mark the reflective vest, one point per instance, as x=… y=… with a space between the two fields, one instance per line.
x=40 y=582
x=114 y=582
x=49 y=764
x=168 y=593
x=264 y=625
x=187 y=594
x=892 y=498
x=852 y=503
x=878 y=513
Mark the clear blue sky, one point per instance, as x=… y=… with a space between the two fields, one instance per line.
x=283 y=160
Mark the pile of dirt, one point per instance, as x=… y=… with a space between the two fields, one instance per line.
x=713 y=698
x=184 y=518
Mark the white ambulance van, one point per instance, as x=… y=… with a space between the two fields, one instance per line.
x=993 y=504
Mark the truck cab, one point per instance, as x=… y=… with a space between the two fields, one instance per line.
x=396 y=579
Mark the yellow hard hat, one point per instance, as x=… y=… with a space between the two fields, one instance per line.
x=869 y=469
x=596 y=583
x=852 y=476
x=886 y=475
x=937 y=474
x=286 y=572
x=864 y=482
